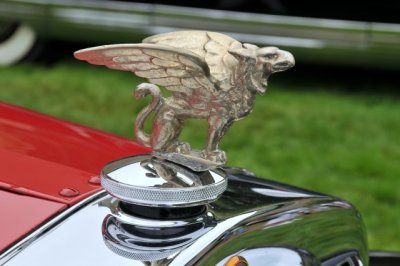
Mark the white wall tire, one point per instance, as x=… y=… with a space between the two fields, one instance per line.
x=17 y=45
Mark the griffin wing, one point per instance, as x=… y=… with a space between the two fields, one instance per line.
x=212 y=46
x=176 y=69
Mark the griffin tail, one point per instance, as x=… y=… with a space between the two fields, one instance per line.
x=142 y=91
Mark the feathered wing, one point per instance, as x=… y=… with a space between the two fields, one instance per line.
x=211 y=46
x=176 y=69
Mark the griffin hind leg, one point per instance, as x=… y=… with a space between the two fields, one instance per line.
x=217 y=128
x=166 y=130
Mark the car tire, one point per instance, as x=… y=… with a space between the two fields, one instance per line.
x=18 y=42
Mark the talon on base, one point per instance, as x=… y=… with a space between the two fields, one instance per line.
x=216 y=156
x=183 y=147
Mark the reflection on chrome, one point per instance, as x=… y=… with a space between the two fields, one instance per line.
x=147 y=181
x=280 y=193
x=274 y=256
x=152 y=240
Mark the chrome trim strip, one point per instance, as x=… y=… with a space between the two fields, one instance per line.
x=326 y=40
x=236 y=16
x=116 y=15
x=123 y=15
x=100 y=18
x=47 y=227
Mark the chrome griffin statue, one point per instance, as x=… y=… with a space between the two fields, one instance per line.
x=211 y=76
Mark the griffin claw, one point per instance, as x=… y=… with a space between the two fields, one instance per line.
x=216 y=156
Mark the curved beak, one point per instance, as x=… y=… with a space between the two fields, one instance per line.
x=284 y=62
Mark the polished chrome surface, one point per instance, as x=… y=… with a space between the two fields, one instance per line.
x=143 y=222
x=45 y=228
x=311 y=39
x=146 y=180
x=211 y=76
x=150 y=240
x=242 y=219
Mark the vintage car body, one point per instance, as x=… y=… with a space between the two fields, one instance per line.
x=57 y=213
x=366 y=43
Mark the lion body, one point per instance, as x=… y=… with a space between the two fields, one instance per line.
x=220 y=110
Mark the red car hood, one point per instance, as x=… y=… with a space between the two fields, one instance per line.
x=47 y=165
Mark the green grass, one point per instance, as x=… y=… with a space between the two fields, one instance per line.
x=312 y=135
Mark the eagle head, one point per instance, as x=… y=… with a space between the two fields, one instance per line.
x=269 y=60
x=261 y=63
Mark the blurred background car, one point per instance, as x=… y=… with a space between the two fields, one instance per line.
x=355 y=33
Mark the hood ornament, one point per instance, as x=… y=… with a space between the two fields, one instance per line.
x=211 y=76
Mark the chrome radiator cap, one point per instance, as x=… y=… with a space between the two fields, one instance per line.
x=145 y=180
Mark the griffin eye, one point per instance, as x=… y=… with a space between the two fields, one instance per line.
x=271 y=56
